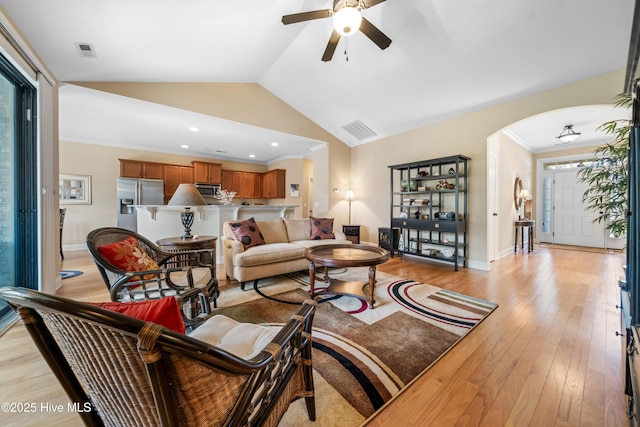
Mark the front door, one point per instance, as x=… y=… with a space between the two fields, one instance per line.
x=573 y=223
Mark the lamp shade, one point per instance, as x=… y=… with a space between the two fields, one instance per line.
x=349 y=195
x=187 y=195
x=347 y=21
x=525 y=195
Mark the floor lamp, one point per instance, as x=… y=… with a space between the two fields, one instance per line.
x=349 y=196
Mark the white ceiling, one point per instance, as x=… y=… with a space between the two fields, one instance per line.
x=448 y=57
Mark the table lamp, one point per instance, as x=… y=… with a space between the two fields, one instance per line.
x=187 y=195
x=526 y=198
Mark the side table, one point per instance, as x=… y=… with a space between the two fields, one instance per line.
x=352 y=232
x=205 y=243
x=522 y=224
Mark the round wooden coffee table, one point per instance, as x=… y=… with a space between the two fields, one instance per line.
x=346 y=256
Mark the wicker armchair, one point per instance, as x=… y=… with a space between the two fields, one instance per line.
x=177 y=273
x=134 y=373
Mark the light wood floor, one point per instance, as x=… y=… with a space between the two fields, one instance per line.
x=548 y=356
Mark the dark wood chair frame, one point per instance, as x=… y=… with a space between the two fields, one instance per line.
x=131 y=371
x=122 y=288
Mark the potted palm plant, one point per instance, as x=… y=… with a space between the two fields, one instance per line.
x=607 y=177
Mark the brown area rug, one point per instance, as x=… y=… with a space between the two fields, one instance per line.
x=363 y=357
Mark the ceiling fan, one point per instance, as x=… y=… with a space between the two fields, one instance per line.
x=347 y=20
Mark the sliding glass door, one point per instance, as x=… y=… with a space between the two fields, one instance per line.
x=18 y=182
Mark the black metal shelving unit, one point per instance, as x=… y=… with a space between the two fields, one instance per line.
x=429 y=207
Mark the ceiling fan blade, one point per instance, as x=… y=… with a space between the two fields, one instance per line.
x=371 y=3
x=374 y=34
x=306 y=16
x=331 y=46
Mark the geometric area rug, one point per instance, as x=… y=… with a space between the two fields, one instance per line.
x=362 y=357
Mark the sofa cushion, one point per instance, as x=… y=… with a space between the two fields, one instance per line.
x=321 y=228
x=267 y=254
x=273 y=231
x=297 y=229
x=247 y=232
x=245 y=340
x=311 y=243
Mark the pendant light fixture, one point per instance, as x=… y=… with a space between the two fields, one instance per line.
x=568 y=134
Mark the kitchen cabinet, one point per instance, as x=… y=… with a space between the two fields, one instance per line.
x=139 y=169
x=273 y=183
x=226 y=181
x=429 y=208
x=247 y=185
x=251 y=185
x=207 y=173
x=174 y=175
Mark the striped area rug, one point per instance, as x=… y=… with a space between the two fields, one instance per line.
x=363 y=357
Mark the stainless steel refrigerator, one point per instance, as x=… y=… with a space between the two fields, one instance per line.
x=132 y=192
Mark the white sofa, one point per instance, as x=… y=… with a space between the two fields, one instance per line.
x=283 y=252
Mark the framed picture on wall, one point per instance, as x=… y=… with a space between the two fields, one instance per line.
x=75 y=189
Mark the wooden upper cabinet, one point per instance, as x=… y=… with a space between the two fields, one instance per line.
x=207 y=173
x=174 y=175
x=138 y=169
x=226 y=181
x=273 y=183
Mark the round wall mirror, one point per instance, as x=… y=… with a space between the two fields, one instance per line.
x=517 y=193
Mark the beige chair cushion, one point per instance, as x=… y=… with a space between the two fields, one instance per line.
x=298 y=229
x=245 y=340
x=273 y=231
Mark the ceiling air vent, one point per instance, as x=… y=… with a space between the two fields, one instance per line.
x=86 y=50
x=359 y=130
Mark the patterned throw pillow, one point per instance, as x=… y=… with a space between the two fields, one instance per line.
x=247 y=232
x=127 y=255
x=164 y=311
x=321 y=228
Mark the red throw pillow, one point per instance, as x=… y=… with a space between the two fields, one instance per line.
x=127 y=255
x=247 y=232
x=321 y=228
x=164 y=311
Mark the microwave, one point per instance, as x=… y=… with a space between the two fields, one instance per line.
x=209 y=192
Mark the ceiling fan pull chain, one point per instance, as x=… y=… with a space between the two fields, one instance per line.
x=346 y=48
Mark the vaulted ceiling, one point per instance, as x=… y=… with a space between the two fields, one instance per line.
x=446 y=58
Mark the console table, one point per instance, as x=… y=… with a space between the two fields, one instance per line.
x=519 y=226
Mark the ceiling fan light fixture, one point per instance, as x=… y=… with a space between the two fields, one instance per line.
x=347 y=20
x=568 y=134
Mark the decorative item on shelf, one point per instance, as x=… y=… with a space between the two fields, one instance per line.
x=423 y=174
x=425 y=216
x=448 y=252
x=225 y=196
x=404 y=185
x=445 y=241
x=444 y=185
x=187 y=195
x=404 y=215
x=422 y=188
x=413 y=186
x=417 y=202
x=417 y=215
x=448 y=216
x=452 y=171
x=350 y=196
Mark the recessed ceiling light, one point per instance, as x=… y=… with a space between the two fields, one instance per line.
x=252 y=155
x=194 y=129
x=184 y=146
x=274 y=144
